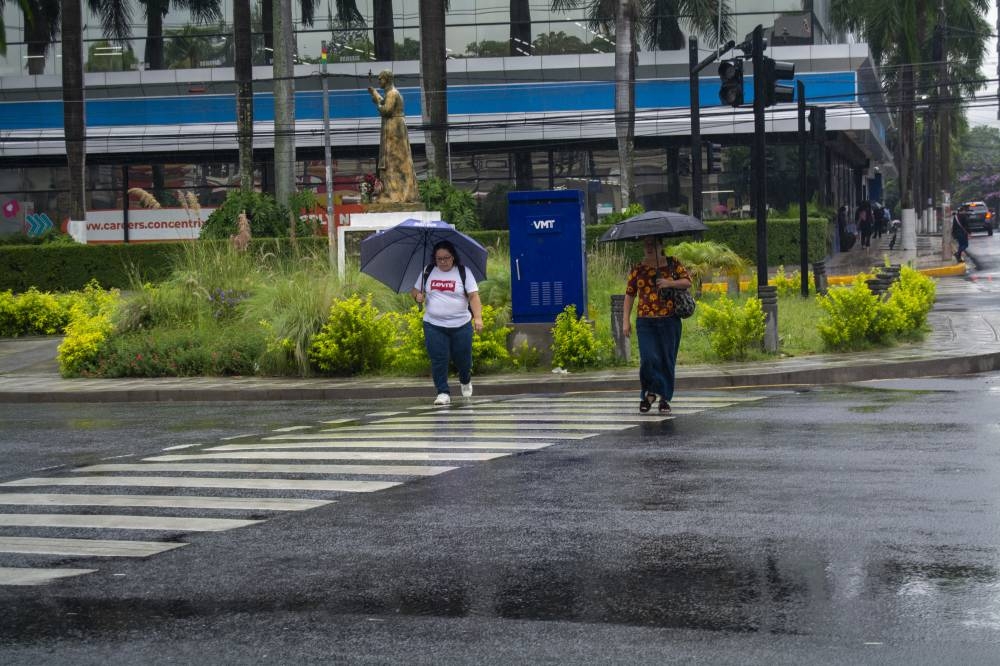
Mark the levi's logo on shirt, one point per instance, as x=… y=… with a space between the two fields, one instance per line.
x=443 y=285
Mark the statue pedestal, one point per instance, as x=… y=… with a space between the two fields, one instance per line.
x=364 y=224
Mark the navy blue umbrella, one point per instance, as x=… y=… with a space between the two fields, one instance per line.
x=396 y=256
x=655 y=223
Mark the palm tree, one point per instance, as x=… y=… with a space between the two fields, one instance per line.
x=74 y=124
x=41 y=27
x=243 y=66
x=382 y=28
x=116 y=21
x=433 y=85
x=284 y=104
x=308 y=16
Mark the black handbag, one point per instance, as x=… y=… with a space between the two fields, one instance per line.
x=684 y=303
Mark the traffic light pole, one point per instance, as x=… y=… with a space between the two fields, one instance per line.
x=757 y=154
x=803 y=223
x=693 y=82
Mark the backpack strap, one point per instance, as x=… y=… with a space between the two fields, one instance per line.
x=461 y=274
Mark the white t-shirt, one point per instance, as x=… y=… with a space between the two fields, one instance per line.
x=445 y=302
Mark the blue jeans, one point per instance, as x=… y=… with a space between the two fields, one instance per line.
x=659 y=340
x=449 y=344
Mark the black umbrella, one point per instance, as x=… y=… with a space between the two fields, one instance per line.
x=653 y=223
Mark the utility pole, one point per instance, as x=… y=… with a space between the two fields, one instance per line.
x=757 y=153
x=331 y=236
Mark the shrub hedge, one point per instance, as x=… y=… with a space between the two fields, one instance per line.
x=69 y=267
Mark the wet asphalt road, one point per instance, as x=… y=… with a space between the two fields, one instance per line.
x=838 y=525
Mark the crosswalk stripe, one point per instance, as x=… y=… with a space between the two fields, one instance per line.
x=383 y=444
x=395 y=470
x=330 y=455
x=470 y=426
x=199 y=482
x=362 y=435
x=163 y=501
x=99 y=521
x=84 y=547
x=32 y=576
x=528 y=420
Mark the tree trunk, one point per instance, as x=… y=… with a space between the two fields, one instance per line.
x=625 y=65
x=37 y=36
x=434 y=86
x=154 y=36
x=74 y=117
x=907 y=131
x=284 y=103
x=520 y=27
x=243 y=67
x=382 y=23
x=267 y=21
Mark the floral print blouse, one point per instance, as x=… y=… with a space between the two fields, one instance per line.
x=642 y=286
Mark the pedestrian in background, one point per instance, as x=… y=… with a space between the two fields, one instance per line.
x=863 y=219
x=452 y=310
x=961 y=236
x=658 y=329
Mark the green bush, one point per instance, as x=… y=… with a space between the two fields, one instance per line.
x=457 y=206
x=489 y=346
x=181 y=352
x=732 y=330
x=850 y=313
x=267 y=218
x=88 y=331
x=355 y=339
x=493 y=208
x=33 y=313
x=574 y=343
x=914 y=294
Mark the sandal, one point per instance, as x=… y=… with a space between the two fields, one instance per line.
x=647 y=403
x=665 y=407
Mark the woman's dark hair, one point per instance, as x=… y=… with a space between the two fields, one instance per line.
x=446 y=245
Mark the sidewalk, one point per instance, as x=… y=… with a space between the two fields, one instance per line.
x=28 y=371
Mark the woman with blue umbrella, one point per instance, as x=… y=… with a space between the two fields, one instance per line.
x=452 y=309
x=425 y=254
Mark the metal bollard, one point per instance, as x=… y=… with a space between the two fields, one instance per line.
x=768 y=295
x=623 y=348
x=819 y=276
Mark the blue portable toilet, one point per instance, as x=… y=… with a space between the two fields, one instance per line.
x=548 y=265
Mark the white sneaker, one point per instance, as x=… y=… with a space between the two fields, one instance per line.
x=467 y=390
x=442 y=399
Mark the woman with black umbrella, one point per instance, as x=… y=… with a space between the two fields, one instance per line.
x=657 y=327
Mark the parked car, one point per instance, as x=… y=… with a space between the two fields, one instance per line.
x=976 y=216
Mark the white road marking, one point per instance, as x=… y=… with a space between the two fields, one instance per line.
x=84 y=547
x=292 y=428
x=101 y=521
x=400 y=470
x=331 y=455
x=180 y=482
x=188 y=446
x=29 y=576
x=383 y=444
x=470 y=425
x=163 y=501
x=527 y=420
x=361 y=435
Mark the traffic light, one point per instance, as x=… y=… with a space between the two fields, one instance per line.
x=774 y=72
x=714 y=152
x=731 y=77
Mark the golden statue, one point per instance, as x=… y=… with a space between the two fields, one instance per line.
x=395 y=162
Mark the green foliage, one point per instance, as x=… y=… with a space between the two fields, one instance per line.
x=789 y=285
x=181 y=352
x=525 y=357
x=355 y=339
x=703 y=258
x=33 y=313
x=493 y=208
x=88 y=330
x=856 y=318
x=489 y=346
x=632 y=210
x=850 y=313
x=409 y=356
x=733 y=330
x=59 y=267
x=457 y=206
x=267 y=218
x=574 y=343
